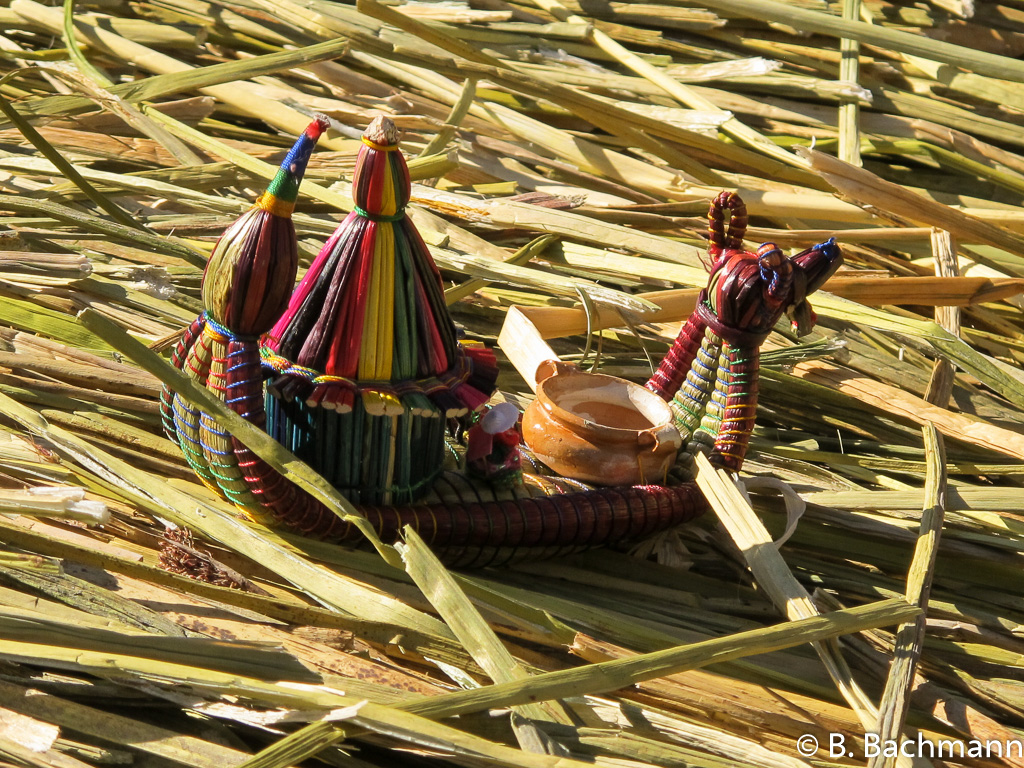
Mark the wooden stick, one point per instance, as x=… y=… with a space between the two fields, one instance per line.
x=525 y=329
x=524 y=345
x=943 y=291
x=800 y=237
x=677 y=304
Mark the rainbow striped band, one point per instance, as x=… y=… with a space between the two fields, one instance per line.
x=377 y=217
x=379 y=147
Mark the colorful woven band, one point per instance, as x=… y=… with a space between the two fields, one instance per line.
x=275 y=205
x=379 y=147
x=224 y=333
x=458 y=374
x=378 y=217
x=736 y=336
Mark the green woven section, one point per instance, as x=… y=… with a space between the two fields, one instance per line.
x=371 y=459
x=711 y=423
x=690 y=402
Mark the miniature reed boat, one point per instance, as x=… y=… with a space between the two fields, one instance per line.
x=360 y=374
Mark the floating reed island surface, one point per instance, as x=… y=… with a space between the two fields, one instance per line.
x=562 y=156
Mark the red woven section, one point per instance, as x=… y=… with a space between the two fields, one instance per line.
x=188 y=338
x=719 y=239
x=484 y=533
x=586 y=518
x=676 y=364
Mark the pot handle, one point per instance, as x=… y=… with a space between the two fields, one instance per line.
x=649 y=437
x=554 y=367
x=655 y=437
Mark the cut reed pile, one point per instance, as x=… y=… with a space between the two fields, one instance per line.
x=564 y=156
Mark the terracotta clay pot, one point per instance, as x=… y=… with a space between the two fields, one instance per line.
x=599 y=429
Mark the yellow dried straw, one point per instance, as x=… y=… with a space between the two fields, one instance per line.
x=895 y=701
x=849 y=72
x=732 y=126
x=244 y=97
x=889 y=198
x=603 y=677
x=884 y=37
x=774 y=576
x=940 y=385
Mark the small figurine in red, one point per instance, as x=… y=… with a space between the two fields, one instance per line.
x=492 y=451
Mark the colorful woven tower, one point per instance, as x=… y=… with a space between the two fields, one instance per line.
x=245 y=289
x=364 y=363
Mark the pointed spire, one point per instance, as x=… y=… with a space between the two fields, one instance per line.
x=284 y=189
x=252 y=268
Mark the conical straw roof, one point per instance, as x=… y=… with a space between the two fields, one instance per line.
x=371 y=310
